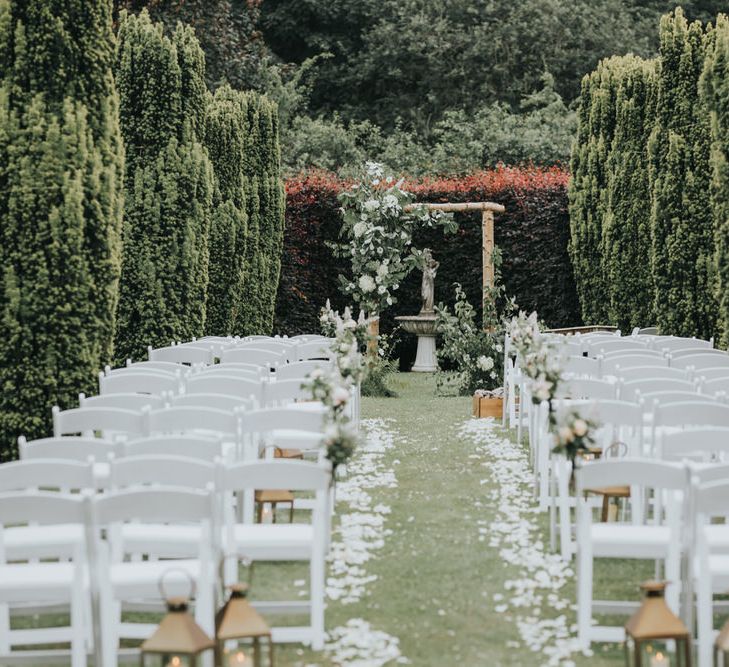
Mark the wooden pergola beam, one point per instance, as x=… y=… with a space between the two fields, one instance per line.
x=487 y=209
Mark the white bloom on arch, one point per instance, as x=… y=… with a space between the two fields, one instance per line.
x=371 y=205
x=367 y=283
x=485 y=363
x=359 y=229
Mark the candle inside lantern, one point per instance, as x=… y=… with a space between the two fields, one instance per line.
x=238 y=659
x=660 y=660
x=175 y=661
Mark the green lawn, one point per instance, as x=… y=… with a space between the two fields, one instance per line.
x=435 y=579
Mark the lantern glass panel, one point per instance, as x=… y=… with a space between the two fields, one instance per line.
x=237 y=655
x=161 y=660
x=658 y=653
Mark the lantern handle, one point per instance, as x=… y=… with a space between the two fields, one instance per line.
x=237 y=556
x=161 y=582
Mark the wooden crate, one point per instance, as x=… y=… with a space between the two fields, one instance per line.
x=487 y=407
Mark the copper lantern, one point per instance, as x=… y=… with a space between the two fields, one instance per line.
x=654 y=635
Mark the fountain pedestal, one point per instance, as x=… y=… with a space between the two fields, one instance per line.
x=423 y=326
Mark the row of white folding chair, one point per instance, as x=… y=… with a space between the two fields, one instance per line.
x=704 y=492
x=624 y=422
x=657 y=537
x=184 y=513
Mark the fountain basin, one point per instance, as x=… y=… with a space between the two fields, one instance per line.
x=423 y=326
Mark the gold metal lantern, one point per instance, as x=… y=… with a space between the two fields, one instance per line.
x=721 y=647
x=239 y=629
x=655 y=636
x=178 y=640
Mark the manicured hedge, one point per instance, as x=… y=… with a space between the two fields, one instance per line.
x=532 y=234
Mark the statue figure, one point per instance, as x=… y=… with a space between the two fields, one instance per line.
x=427 y=288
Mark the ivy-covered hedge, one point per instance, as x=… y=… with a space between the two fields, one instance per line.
x=532 y=234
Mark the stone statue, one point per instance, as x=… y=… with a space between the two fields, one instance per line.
x=427 y=288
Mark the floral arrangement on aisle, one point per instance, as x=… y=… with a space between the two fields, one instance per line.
x=470 y=358
x=540 y=359
x=335 y=388
x=573 y=433
x=378 y=221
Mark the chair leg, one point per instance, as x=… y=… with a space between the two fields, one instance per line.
x=78 y=633
x=584 y=595
x=316 y=592
x=4 y=629
x=291 y=512
x=704 y=620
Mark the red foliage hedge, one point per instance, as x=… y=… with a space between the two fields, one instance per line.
x=532 y=235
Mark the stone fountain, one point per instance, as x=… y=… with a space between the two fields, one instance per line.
x=423 y=324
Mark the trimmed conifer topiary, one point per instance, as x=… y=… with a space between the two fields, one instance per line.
x=60 y=208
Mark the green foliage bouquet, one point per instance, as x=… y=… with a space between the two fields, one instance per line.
x=469 y=357
x=378 y=221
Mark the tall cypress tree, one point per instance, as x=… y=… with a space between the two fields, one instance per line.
x=626 y=240
x=60 y=207
x=587 y=190
x=225 y=139
x=266 y=214
x=170 y=186
x=680 y=177
x=715 y=94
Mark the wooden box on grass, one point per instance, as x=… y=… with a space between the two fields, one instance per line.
x=487 y=406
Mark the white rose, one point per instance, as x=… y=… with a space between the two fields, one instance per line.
x=367 y=283
x=390 y=201
x=345 y=363
x=359 y=229
x=382 y=270
x=316 y=374
x=565 y=434
x=485 y=363
x=381 y=289
x=580 y=427
x=371 y=205
x=340 y=396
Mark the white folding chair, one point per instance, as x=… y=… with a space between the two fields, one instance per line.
x=634 y=389
x=619 y=364
x=315 y=349
x=620 y=424
x=87 y=421
x=182 y=354
x=582 y=367
x=161 y=540
x=131 y=381
x=714 y=387
x=126 y=401
x=690 y=351
x=230 y=385
x=602 y=346
x=217 y=401
x=704 y=444
x=702 y=361
x=658 y=539
x=712 y=373
x=283 y=542
x=301 y=369
x=73 y=448
x=672 y=343
x=244 y=371
x=59 y=581
x=282 y=392
x=163 y=366
x=588 y=388
x=710 y=566
x=138 y=581
x=653 y=373
x=189 y=445
x=669 y=417
x=627 y=353
x=60 y=475
x=254 y=355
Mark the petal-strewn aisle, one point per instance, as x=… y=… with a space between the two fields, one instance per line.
x=437 y=529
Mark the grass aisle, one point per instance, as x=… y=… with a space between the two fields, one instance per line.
x=432 y=582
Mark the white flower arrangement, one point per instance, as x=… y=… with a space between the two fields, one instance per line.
x=379 y=219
